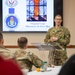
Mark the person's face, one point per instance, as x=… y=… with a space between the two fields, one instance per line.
x=58 y=20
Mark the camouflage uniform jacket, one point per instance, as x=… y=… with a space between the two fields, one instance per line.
x=63 y=35
x=5 y=53
x=27 y=59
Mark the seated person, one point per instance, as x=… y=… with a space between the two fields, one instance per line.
x=69 y=67
x=26 y=59
x=5 y=53
x=8 y=67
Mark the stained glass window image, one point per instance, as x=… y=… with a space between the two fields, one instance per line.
x=36 y=10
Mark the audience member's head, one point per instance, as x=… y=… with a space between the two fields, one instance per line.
x=8 y=67
x=1 y=39
x=69 y=67
x=22 y=42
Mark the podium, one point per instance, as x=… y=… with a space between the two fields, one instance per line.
x=51 y=47
x=48 y=46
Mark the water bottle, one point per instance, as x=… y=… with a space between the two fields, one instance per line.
x=45 y=66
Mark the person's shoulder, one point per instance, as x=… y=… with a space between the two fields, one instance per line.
x=64 y=27
x=3 y=48
x=50 y=28
x=5 y=51
x=18 y=51
x=29 y=53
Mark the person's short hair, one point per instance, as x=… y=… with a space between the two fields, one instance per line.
x=22 y=42
x=58 y=16
x=1 y=36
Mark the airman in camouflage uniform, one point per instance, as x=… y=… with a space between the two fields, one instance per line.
x=61 y=35
x=26 y=59
x=5 y=53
